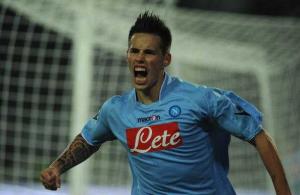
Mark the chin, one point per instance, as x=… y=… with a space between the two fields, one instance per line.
x=140 y=87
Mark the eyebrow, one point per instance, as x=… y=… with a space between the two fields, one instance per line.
x=146 y=51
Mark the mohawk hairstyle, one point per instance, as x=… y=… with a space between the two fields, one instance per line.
x=148 y=22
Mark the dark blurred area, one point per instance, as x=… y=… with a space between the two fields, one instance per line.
x=289 y=8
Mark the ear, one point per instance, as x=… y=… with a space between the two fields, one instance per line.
x=167 y=59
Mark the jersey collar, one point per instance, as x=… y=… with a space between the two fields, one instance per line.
x=162 y=92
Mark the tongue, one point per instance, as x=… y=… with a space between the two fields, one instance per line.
x=140 y=80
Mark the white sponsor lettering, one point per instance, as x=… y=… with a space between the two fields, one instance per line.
x=155 y=141
x=173 y=140
x=145 y=134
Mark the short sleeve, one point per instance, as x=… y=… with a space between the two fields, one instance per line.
x=234 y=114
x=96 y=130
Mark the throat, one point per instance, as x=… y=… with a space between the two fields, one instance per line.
x=151 y=93
x=147 y=97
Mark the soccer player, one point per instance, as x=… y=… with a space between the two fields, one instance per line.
x=176 y=133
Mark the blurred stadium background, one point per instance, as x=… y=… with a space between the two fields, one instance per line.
x=61 y=59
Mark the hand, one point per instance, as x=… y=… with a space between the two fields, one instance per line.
x=50 y=178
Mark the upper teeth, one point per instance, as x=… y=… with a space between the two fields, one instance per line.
x=140 y=69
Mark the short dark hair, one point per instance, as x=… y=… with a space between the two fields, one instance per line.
x=148 y=22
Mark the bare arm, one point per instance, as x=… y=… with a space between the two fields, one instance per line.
x=78 y=151
x=269 y=155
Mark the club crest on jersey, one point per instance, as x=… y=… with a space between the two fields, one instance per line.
x=153 y=138
x=174 y=111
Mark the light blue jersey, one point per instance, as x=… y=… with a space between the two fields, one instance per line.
x=179 y=144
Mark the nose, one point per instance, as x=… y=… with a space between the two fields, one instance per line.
x=140 y=57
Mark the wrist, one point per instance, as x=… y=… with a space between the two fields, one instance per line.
x=56 y=167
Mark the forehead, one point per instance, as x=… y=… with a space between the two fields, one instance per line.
x=145 y=40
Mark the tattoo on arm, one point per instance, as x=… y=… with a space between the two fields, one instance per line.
x=78 y=151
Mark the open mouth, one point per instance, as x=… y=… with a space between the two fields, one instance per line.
x=140 y=72
x=140 y=75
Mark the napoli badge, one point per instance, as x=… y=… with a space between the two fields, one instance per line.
x=174 y=111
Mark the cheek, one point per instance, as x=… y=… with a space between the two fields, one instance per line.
x=158 y=64
x=130 y=68
x=129 y=63
x=128 y=59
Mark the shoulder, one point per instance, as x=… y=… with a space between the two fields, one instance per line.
x=118 y=100
x=184 y=87
x=195 y=95
x=114 y=106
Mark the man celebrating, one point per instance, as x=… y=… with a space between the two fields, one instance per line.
x=176 y=133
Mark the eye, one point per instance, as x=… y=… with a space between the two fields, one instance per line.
x=133 y=50
x=150 y=52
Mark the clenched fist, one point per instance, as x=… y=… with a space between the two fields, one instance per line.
x=50 y=178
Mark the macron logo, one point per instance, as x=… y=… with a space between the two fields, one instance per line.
x=149 y=118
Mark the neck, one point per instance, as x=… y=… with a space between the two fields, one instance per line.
x=148 y=96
